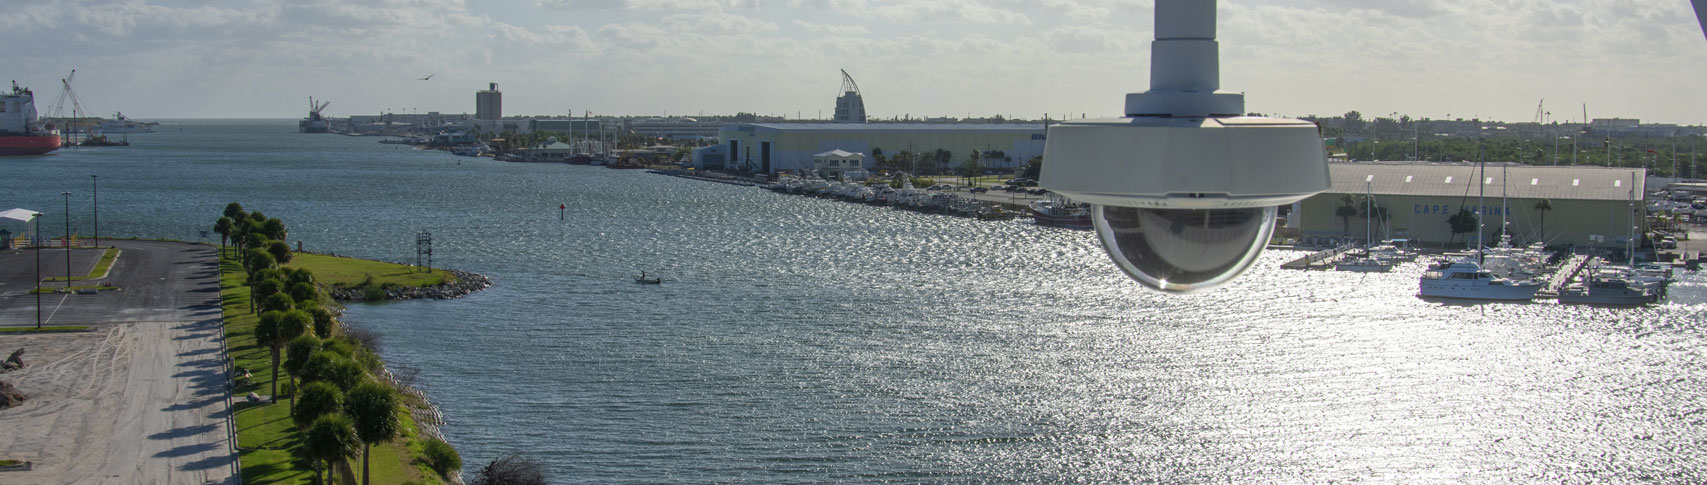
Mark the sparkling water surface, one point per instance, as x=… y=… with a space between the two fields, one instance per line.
x=806 y=340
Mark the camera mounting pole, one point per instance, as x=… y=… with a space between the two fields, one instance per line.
x=1185 y=66
x=1184 y=189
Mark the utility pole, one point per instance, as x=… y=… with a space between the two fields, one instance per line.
x=67 y=241
x=95 y=185
x=37 y=286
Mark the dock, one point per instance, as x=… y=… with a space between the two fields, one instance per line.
x=1563 y=276
x=1323 y=259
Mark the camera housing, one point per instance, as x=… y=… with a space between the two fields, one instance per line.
x=1185 y=190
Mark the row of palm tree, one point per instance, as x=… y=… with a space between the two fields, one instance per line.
x=338 y=406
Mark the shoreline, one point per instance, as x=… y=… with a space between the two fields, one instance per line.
x=466 y=284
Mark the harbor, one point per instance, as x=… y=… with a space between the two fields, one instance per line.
x=917 y=346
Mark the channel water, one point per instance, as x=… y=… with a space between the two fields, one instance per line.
x=806 y=340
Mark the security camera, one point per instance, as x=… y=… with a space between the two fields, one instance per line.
x=1185 y=189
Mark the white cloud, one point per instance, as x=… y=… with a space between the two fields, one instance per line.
x=716 y=22
x=846 y=29
x=263 y=57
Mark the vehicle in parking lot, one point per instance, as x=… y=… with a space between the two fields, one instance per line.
x=979 y=190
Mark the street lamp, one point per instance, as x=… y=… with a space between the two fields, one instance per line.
x=37 y=218
x=95 y=185
x=67 y=241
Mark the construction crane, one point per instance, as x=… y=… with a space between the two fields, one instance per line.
x=58 y=108
x=1541 y=111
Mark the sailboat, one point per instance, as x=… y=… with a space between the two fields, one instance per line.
x=1369 y=263
x=1465 y=278
x=1613 y=285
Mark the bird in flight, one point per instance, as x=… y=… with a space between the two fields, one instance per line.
x=429 y=76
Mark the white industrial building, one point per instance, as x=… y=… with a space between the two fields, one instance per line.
x=1587 y=206
x=770 y=148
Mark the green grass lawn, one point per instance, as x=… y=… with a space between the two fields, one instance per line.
x=348 y=272
x=266 y=436
x=101 y=267
x=56 y=289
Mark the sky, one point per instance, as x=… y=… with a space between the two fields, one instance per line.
x=1487 y=59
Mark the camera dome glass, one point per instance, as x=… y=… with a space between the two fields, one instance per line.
x=1183 y=250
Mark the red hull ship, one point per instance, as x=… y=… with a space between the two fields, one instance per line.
x=20 y=132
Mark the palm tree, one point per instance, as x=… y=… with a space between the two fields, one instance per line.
x=373 y=407
x=331 y=437
x=1346 y=210
x=318 y=398
x=1543 y=206
x=296 y=355
x=277 y=328
x=223 y=227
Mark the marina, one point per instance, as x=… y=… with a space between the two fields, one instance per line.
x=805 y=339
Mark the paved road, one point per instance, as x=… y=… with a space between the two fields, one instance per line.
x=143 y=398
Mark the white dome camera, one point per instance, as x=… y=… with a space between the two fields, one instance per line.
x=1185 y=188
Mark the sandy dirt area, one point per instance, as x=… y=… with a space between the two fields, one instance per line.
x=143 y=401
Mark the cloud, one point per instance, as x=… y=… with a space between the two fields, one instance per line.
x=850 y=29
x=716 y=22
x=650 y=5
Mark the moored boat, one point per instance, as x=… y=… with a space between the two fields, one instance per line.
x=1466 y=279
x=20 y=131
x=1060 y=213
x=1607 y=287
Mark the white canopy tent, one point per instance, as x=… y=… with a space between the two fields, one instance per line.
x=21 y=215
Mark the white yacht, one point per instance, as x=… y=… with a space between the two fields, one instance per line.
x=1466 y=279
x=1368 y=264
x=121 y=124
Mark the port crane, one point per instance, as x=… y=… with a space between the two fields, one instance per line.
x=314 y=108
x=58 y=109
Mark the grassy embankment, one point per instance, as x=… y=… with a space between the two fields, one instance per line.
x=351 y=272
x=268 y=441
x=107 y=258
x=100 y=271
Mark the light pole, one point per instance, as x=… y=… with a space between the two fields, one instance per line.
x=95 y=185
x=67 y=241
x=37 y=218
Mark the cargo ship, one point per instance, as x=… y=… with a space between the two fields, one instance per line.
x=315 y=122
x=20 y=132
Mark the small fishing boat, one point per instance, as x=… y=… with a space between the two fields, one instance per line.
x=648 y=280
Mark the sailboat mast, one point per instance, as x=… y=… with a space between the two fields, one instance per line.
x=1630 y=240
x=1368 y=208
x=1481 y=196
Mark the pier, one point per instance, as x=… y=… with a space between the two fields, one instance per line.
x=1323 y=259
x=1563 y=276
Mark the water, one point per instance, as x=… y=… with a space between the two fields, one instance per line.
x=802 y=340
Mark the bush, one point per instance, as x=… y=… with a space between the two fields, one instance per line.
x=440 y=456
x=373 y=293
x=323 y=320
